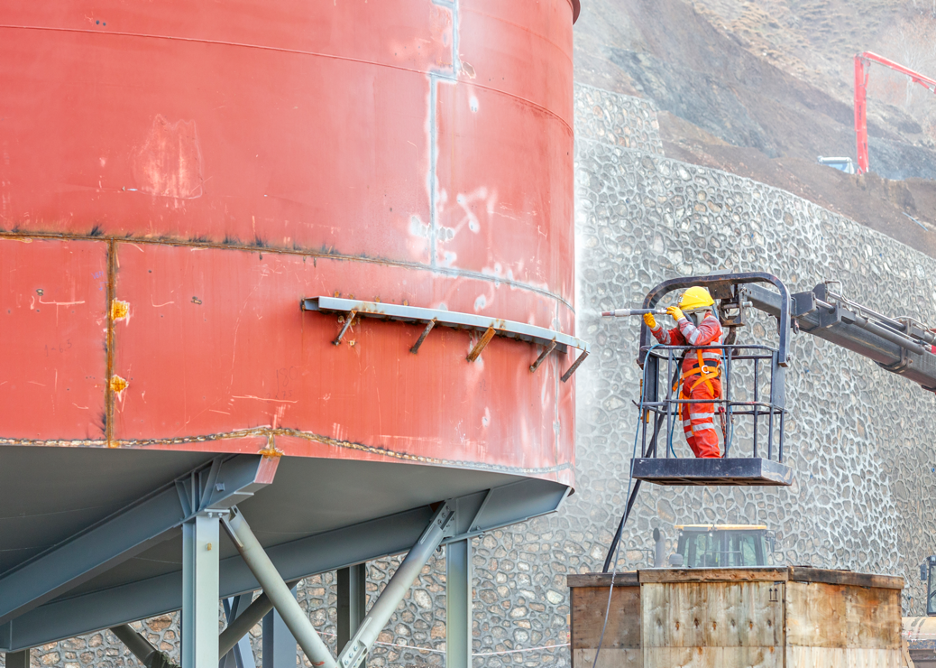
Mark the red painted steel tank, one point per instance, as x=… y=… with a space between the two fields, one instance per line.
x=175 y=178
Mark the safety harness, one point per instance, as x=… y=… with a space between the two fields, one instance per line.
x=707 y=370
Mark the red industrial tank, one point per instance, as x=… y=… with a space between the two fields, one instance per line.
x=177 y=180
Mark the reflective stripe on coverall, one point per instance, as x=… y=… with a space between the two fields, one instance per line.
x=698 y=419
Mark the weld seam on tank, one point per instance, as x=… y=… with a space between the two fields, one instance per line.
x=217 y=42
x=456 y=61
x=448 y=271
x=269 y=433
x=433 y=163
x=109 y=368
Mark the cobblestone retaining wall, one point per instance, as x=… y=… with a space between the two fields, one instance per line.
x=858 y=438
x=617 y=119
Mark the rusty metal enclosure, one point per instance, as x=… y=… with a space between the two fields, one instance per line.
x=736 y=618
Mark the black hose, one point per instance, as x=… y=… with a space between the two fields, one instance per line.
x=617 y=536
x=651 y=452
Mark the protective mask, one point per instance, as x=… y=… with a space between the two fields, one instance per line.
x=695 y=318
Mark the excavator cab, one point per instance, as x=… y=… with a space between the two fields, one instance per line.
x=752 y=406
x=722 y=546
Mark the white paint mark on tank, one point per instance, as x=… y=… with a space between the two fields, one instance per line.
x=486 y=419
x=480 y=303
x=473 y=104
x=169 y=164
x=417 y=228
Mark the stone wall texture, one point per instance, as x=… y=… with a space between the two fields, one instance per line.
x=617 y=119
x=858 y=438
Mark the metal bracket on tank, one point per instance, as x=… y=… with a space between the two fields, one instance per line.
x=550 y=340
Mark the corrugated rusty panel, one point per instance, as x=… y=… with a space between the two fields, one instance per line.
x=739 y=618
x=53 y=297
x=216 y=343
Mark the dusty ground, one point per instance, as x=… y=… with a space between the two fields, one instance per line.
x=763 y=88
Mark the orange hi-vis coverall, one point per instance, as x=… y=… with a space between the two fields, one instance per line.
x=700 y=379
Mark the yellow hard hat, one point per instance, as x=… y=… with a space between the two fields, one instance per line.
x=695 y=298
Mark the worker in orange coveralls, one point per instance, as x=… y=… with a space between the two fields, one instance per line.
x=696 y=325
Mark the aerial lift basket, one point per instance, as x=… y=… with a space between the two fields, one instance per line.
x=752 y=379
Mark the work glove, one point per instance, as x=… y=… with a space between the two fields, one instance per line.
x=676 y=312
x=650 y=320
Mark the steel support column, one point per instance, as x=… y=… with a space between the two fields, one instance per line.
x=18 y=659
x=200 y=550
x=263 y=569
x=280 y=649
x=458 y=577
x=352 y=601
x=240 y=654
x=439 y=528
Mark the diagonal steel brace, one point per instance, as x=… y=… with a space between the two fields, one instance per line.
x=277 y=590
x=142 y=649
x=440 y=528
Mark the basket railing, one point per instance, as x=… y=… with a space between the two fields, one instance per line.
x=660 y=399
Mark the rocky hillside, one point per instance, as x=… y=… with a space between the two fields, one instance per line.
x=763 y=88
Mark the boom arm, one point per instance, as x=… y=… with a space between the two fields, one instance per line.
x=862 y=64
x=899 y=346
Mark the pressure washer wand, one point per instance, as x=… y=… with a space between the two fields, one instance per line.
x=624 y=312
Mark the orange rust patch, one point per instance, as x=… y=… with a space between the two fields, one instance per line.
x=118 y=384
x=119 y=310
x=270 y=450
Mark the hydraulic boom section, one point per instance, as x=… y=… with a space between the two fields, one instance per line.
x=901 y=345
